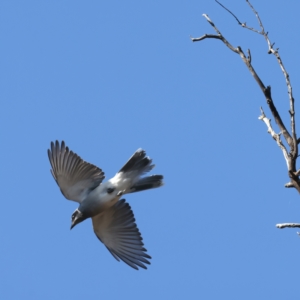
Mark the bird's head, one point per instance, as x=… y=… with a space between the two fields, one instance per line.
x=77 y=217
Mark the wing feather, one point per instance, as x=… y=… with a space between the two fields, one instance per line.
x=117 y=230
x=75 y=177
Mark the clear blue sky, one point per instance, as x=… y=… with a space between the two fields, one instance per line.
x=109 y=77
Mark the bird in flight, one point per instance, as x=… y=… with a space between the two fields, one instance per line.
x=112 y=217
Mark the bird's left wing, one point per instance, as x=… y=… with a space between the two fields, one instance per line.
x=75 y=177
x=116 y=229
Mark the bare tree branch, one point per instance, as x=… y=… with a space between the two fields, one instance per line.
x=292 y=142
x=274 y=135
x=290 y=155
x=205 y=36
x=294 y=148
x=219 y=36
x=266 y=90
x=240 y=23
x=258 y=18
x=289 y=185
x=289 y=225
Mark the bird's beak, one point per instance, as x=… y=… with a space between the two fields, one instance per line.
x=75 y=221
x=76 y=218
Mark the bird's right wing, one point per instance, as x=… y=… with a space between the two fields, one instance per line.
x=116 y=229
x=75 y=177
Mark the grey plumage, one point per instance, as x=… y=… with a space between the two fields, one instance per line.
x=127 y=244
x=138 y=162
x=75 y=177
x=113 y=219
x=146 y=183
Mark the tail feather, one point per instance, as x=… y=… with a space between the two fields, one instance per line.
x=138 y=162
x=146 y=183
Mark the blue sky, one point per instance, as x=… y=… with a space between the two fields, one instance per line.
x=109 y=77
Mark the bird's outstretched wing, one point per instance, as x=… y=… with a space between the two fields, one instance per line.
x=116 y=229
x=75 y=177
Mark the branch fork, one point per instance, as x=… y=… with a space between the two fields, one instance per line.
x=292 y=141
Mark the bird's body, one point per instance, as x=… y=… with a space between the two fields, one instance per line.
x=99 y=199
x=112 y=218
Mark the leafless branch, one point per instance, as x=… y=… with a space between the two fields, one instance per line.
x=294 y=148
x=274 y=135
x=211 y=36
x=240 y=23
x=218 y=36
x=289 y=225
x=292 y=141
x=289 y=185
x=258 y=18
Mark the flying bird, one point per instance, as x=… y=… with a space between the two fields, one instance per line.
x=112 y=217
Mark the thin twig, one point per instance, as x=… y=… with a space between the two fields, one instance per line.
x=288 y=225
x=289 y=185
x=219 y=36
x=274 y=135
x=257 y=16
x=211 y=36
x=240 y=23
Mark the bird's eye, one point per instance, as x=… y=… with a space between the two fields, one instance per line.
x=110 y=190
x=74 y=214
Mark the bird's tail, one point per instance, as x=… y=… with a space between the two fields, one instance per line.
x=139 y=164
x=146 y=183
